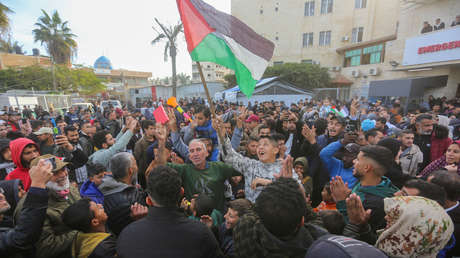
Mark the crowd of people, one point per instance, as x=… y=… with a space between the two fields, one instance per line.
x=438 y=25
x=316 y=178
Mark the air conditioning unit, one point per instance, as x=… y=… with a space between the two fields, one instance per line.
x=316 y=62
x=355 y=73
x=337 y=68
x=345 y=38
x=374 y=71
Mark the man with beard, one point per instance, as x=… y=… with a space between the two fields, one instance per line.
x=123 y=201
x=343 y=167
x=23 y=151
x=108 y=146
x=55 y=239
x=87 y=130
x=77 y=157
x=28 y=227
x=369 y=167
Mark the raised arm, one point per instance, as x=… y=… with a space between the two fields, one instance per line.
x=177 y=141
x=229 y=155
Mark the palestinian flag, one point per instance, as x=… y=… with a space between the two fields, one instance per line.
x=220 y=38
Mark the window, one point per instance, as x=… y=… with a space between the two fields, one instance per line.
x=360 y=4
x=357 y=35
x=325 y=38
x=307 y=39
x=278 y=63
x=363 y=56
x=277 y=38
x=353 y=58
x=326 y=6
x=307 y=61
x=372 y=55
x=310 y=8
x=261 y=11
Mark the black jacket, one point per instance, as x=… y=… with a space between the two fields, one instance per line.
x=86 y=144
x=118 y=198
x=29 y=225
x=166 y=232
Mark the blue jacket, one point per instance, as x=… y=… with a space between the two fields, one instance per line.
x=90 y=190
x=335 y=166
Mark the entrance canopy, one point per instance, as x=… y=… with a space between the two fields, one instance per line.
x=410 y=87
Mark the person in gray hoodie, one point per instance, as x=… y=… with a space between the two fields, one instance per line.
x=411 y=156
x=108 y=146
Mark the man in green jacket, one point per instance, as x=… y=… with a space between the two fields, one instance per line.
x=372 y=187
x=55 y=239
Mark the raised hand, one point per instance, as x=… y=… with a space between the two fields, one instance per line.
x=138 y=211
x=41 y=174
x=207 y=220
x=63 y=141
x=132 y=125
x=241 y=117
x=339 y=190
x=260 y=182
x=161 y=133
x=286 y=169
x=218 y=126
x=355 y=210
x=172 y=123
x=309 y=133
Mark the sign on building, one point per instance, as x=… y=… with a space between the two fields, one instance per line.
x=439 y=46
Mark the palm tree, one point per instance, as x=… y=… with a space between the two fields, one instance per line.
x=170 y=34
x=183 y=78
x=4 y=20
x=57 y=38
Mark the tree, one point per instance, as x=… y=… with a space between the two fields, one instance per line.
x=170 y=34
x=56 y=36
x=4 y=19
x=7 y=45
x=306 y=76
x=231 y=80
x=183 y=78
x=80 y=79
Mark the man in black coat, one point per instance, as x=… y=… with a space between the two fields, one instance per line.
x=166 y=232
x=121 y=196
x=28 y=228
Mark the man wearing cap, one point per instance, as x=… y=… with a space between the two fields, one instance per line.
x=252 y=124
x=55 y=239
x=370 y=167
x=23 y=151
x=344 y=167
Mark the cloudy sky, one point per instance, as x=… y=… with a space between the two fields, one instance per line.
x=120 y=29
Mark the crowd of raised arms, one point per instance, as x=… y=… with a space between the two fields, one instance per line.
x=316 y=178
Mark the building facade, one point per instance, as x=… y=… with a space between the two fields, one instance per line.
x=360 y=41
x=120 y=81
x=8 y=60
x=211 y=71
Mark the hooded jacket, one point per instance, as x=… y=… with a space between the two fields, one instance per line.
x=372 y=198
x=118 y=198
x=90 y=190
x=410 y=159
x=17 y=147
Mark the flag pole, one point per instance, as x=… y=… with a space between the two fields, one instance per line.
x=211 y=104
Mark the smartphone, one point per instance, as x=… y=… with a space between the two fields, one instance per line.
x=52 y=161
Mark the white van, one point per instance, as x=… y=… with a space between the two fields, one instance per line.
x=106 y=103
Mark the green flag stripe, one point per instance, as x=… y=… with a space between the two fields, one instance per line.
x=214 y=49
